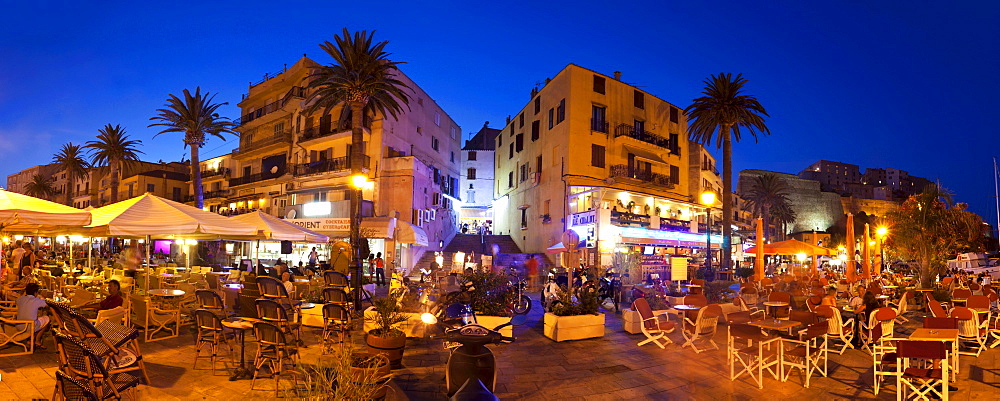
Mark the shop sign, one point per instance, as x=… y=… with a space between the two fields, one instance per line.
x=583 y=218
x=329 y=224
x=628 y=219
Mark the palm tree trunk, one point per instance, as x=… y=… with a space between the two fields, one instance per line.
x=767 y=221
x=69 y=184
x=114 y=167
x=199 y=193
x=727 y=201
x=357 y=154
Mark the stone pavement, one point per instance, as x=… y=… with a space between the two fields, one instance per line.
x=533 y=368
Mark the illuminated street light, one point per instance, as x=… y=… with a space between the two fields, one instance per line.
x=359 y=181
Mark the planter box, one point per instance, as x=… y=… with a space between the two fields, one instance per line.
x=633 y=322
x=412 y=327
x=562 y=328
x=490 y=322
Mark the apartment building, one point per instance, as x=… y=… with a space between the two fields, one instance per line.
x=476 y=182
x=608 y=160
x=294 y=164
x=18 y=181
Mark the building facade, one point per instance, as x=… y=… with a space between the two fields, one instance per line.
x=19 y=181
x=477 y=182
x=607 y=160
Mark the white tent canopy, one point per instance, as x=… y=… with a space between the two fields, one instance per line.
x=150 y=215
x=273 y=228
x=26 y=213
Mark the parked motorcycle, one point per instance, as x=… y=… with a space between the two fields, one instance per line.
x=471 y=371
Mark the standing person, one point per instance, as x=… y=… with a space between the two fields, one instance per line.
x=313 y=256
x=371 y=265
x=27 y=309
x=379 y=270
x=532 y=266
x=27 y=259
x=15 y=256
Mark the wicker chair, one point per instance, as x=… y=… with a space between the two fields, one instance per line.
x=114 y=343
x=80 y=362
x=211 y=334
x=210 y=300
x=335 y=279
x=272 y=312
x=336 y=296
x=336 y=322
x=68 y=388
x=275 y=352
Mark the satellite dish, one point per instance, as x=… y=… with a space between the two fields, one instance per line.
x=290 y=214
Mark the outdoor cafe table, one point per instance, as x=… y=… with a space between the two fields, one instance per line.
x=774 y=324
x=165 y=293
x=775 y=304
x=923 y=334
x=241 y=325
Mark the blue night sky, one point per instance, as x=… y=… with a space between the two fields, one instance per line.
x=909 y=85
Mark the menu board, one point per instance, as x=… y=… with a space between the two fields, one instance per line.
x=678 y=268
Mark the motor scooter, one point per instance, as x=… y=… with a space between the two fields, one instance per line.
x=471 y=370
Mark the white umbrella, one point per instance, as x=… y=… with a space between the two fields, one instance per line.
x=20 y=212
x=273 y=228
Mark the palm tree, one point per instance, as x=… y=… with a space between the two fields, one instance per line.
x=363 y=80
x=40 y=187
x=71 y=161
x=194 y=116
x=767 y=197
x=114 y=149
x=717 y=117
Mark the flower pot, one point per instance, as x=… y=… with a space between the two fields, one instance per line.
x=391 y=347
x=563 y=328
x=413 y=327
x=367 y=376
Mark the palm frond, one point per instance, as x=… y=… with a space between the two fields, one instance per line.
x=195 y=116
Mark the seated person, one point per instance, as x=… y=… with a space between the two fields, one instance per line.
x=857 y=304
x=286 y=280
x=27 y=309
x=58 y=270
x=27 y=276
x=830 y=298
x=113 y=300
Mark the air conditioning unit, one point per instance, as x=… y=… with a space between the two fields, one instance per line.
x=431 y=214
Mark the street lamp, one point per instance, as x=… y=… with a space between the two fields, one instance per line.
x=881 y=232
x=359 y=181
x=708 y=199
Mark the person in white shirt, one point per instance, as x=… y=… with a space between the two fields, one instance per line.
x=286 y=280
x=27 y=309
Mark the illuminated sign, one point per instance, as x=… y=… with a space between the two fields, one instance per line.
x=316 y=209
x=584 y=218
x=323 y=224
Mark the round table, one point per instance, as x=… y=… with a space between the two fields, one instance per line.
x=774 y=304
x=241 y=325
x=687 y=307
x=168 y=275
x=162 y=292
x=219 y=273
x=233 y=286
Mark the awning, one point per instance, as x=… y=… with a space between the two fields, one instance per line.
x=378 y=227
x=556 y=248
x=407 y=233
x=644 y=154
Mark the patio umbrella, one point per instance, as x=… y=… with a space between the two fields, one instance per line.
x=759 y=261
x=151 y=216
x=866 y=261
x=20 y=212
x=556 y=248
x=273 y=228
x=815 y=241
x=850 y=267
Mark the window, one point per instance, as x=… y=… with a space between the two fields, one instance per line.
x=520 y=121
x=524 y=218
x=538 y=104
x=176 y=194
x=437 y=119
x=552 y=113
x=436 y=199
x=150 y=187
x=520 y=142
x=523 y=172
x=325 y=122
x=675 y=174
x=499 y=140
x=471 y=174
x=674 y=114
x=561 y=111
x=454 y=133
x=536 y=127
x=599 y=84
x=538 y=164
x=511 y=149
x=452 y=157
x=675 y=146
x=434 y=143
x=545 y=206
x=598 y=118
x=639 y=100
x=472 y=155
x=597 y=155
x=640 y=127
x=279 y=128
x=510 y=179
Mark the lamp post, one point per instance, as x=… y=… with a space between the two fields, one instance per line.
x=359 y=181
x=881 y=232
x=708 y=199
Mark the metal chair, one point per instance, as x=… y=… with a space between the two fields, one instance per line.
x=211 y=333
x=704 y=327
x=921 y=381
x=275 y=352
x=751 y=350
x=336 y=322
x=654 y=327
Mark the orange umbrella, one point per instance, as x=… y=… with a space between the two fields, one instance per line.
x=759 y=262
x=850 y=267
x=866 y=253
x=791 y=247
x=815 y=241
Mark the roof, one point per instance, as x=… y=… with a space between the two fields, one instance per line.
x=170 y=175
x=483 y=140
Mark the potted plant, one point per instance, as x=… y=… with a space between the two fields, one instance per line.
x=385 y=337
x=491 y=297
x=344 y=374
x=575 y=318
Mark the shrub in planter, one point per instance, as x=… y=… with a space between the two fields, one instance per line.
x=385 y=338
x=587 y=303
x=343 y=375
x=490 y=295
x=575 y=319
x=718 y=292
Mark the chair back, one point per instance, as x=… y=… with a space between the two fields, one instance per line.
x=779 y=297
x=749 y=295
x=334 y=279
x=698 y=281
x=641 y=306
x=65 y=320
x=824 y=311
x=213 y=281
x=337 y=313
x=116 y=314
x=922 y=349
x=269 y=334
x=335 y=295
x=208 y=299
x=696 y=299
x=817 y=330
x=271 y=287
x=936 y=309
x=207 y=321
x=968 y=321
x=805 y=317
x=813 y=301
x=708 y=319
x=931 y=322
x=978 y=301
x=139 y=307
x=746 y=332
x=947 y=281
x=271 y=311
x=961 y=293
x=72 y=389
x=78 y=359
x=741 y=317
x=886 y=322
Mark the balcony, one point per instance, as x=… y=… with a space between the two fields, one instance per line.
x=669 y=224
x=214 y=172
x=645 y=177
x=296 y=91
x=256 y=177
x=336 y=164
x=599 y=125
x=222 y=193
x=284 y=137
x=709 y=167
x=643 y=136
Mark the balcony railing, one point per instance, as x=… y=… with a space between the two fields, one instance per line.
x=599 y=125
x=708 y=167
x=222 y=193
x=315 y=132
x=296 y=91
x=257 y=144
x=214 y=172
x=328 y=165
x=626 y=171
x=256 y=177
x=641 y=135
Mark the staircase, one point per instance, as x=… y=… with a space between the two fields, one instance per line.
x=470 y=243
